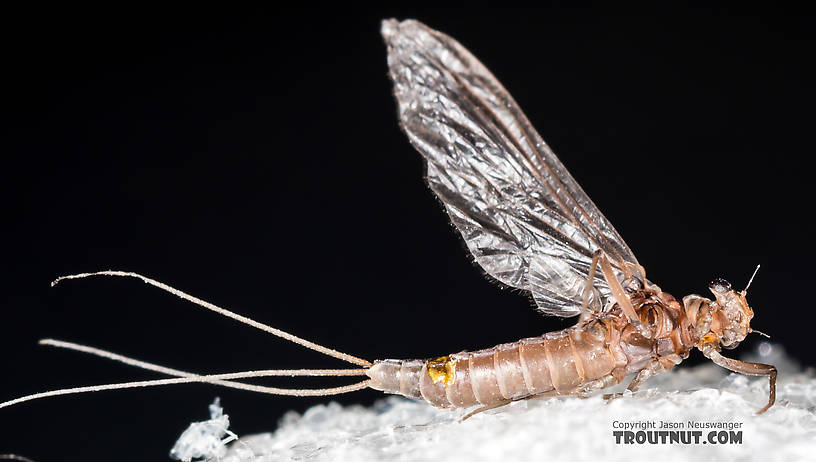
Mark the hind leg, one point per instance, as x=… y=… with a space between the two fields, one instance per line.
x=582 y=391
x=656 y=366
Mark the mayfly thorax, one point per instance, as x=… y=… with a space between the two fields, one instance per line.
x=530 y=226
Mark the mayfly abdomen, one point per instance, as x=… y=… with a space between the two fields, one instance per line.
x=510 y=371
x=457 y=387
x=483 y=376
x=560 y=362
x=397 y=376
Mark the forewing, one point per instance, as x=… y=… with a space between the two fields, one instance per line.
x=523 y=217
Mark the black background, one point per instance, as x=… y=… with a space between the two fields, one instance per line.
x=253 y=158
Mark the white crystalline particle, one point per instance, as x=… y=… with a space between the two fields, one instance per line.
x=205 y=440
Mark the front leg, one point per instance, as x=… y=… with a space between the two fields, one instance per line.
x=744 y=367
x=620 y=296
x=590 y=285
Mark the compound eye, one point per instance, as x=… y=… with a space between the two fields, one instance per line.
x=719 y=286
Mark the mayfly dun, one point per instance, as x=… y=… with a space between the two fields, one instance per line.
x=530 y=226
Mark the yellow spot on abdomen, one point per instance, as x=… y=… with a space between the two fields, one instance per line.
x=442 y=369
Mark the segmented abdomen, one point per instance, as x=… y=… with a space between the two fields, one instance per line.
x=559 y=361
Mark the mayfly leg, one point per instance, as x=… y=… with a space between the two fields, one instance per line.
x=488 y=407
x=617 y=290
x=583 y=391
x=747 y=368
x=618 y=294
x=590 y=285
x=656 y=366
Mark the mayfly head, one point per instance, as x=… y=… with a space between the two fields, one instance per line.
x=731 y=317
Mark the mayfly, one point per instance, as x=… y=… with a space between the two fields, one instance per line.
x=530 y=226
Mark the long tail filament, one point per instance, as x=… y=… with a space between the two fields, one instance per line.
x=225 y=380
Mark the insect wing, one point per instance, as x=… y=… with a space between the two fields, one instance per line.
x=523 y=217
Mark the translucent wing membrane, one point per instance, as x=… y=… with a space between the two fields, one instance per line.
x=523 y=217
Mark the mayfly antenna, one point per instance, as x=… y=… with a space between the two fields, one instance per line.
x=751 y=280
x=277 y=332
x=760 y=333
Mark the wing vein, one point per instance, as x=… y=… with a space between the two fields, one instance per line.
x=524 y=219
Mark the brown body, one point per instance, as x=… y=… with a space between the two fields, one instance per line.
x=589 y=356
x=529 y=225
